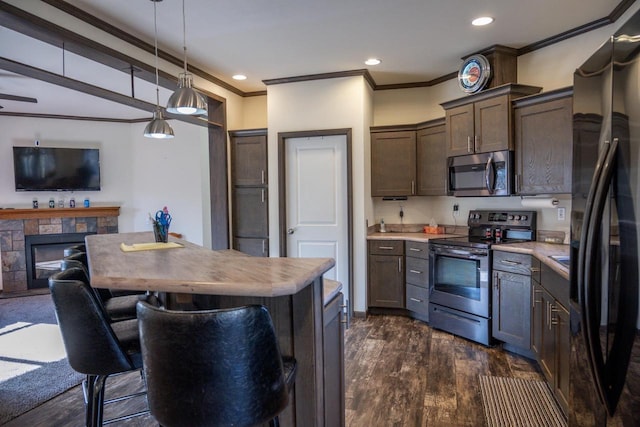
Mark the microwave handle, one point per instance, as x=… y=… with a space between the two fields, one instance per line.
x=489 y=175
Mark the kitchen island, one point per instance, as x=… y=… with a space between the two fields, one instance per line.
x=290 y=288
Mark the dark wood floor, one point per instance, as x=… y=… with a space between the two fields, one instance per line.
x=399 y=372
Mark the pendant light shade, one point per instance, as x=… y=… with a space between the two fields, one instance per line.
x=158 y=127
x=186 y=100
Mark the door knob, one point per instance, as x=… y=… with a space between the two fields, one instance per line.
x=290 y=231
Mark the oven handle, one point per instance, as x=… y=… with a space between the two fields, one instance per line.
x=461 y=252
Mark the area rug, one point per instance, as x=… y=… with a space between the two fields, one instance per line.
x=519 y=402
x=33 y=363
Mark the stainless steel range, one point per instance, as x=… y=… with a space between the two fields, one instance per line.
x=460 y=271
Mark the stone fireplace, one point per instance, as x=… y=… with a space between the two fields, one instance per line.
x=16 y=224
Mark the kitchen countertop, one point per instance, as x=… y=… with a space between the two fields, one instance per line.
x=415 y=237
x=330 y=289
x=195 y=269
x=540 y=250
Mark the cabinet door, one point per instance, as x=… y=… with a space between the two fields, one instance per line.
x=543 y=139
x=333 y=351
x=563 y=354
x=386 y=281
x=544 y=334
x=249 y=160
x=459 y=130
x=251 y=246
x=431 y=161
x=250 y=205
x=393 y=163
x=492 y=118
x=512 y=309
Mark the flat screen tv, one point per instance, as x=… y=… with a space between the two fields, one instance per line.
x=56 y=169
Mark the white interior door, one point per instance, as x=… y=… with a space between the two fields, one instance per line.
x=317 y=210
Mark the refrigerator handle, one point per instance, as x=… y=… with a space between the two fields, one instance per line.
x=590 y=296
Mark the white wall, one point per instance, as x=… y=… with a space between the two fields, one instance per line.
x=138 y=174
x=318 y=105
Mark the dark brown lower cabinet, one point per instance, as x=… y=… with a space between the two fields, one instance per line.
x=511 y=308
x=386 y=283
x=551 y=334
x=334 y=405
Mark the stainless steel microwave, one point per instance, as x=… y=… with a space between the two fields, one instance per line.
x=483 y=174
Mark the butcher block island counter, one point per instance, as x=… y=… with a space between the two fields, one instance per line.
x=290 y=288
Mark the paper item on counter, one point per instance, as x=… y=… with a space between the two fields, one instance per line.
x=149 y=246
x=429 y=229
x=539 y=202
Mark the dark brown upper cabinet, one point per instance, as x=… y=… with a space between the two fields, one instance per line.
x=248 y=160
x=482 y=122
x=431 y=161
x=408 y=160
x=543 y=143
x=393 y=163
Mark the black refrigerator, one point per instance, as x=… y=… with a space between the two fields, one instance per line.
x=605 y=337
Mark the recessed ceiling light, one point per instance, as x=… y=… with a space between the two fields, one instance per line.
x=483 y=20
x=372 y=61
x=240 y=77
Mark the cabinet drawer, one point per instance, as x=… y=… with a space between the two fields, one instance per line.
x=386 y=247
x=417 y=249
x=417 y=272
x=417 y=299
x=516 y=263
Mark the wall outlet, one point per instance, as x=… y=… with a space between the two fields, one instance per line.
x=562 y=212
x=456 y=210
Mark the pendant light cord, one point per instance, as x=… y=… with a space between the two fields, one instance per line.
x=155 y=33
x=184 y=37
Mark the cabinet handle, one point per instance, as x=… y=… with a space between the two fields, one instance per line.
x=509 y=262
x=534 y=270
x=264 y=246
x=386 y=248
x=262 y=195
x=536 y=301
x=415 y=250
x=415 y=271
x=517 y=189
x=399 y=265
x=549 y=315
x=415 y=299
x=345 y=314
x=469 y=144
x=475 y=143
x=553 y=318
x=496 y=282
x=262 y=176
x=413 y=187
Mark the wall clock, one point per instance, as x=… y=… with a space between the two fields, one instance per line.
x=474 y=74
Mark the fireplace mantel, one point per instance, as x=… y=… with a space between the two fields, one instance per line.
x=95 y=211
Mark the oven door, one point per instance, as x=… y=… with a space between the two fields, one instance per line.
x=459 y=278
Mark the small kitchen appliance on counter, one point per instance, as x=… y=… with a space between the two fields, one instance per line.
x=460 y=271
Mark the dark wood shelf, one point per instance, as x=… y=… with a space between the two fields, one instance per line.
x=94 y=211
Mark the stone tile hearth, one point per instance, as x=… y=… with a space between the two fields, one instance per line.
x=58 y=221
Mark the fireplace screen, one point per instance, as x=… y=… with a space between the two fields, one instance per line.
x=44 y=254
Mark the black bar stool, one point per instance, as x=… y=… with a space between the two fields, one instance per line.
x=213 y=367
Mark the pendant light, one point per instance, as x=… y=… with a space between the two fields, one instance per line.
x=185 y=100
x=158 y=127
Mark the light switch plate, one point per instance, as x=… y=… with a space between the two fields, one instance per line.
x=562 y=214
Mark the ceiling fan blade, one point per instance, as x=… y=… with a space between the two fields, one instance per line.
x=18 y=98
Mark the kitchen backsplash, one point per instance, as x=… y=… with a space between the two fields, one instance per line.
x=422 y=210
